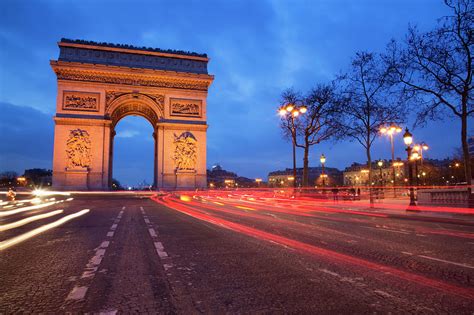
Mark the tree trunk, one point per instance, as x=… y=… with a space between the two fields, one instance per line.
x=369 y=166
x=306 y=164
x=465 y=151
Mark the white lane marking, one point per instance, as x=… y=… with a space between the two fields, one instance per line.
x=384 y=294
x=160 y=250
x=113 y=227
x=28 y=220
x=159 y=246
x=168 y=266
x=112 y=312
x=152 y=232
x=386 y=230
x=41 y=229
x=162 y=254
x=329 y=272
x=123 y=208
x=77 y=293
x=440 y=260
x=447 y=261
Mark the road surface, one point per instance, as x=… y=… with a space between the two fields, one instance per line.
x=230 y=254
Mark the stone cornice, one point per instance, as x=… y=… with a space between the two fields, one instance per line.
x=72 y=71
x=135 y=50
x=82 y=121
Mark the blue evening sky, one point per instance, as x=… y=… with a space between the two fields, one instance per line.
x=257 y=49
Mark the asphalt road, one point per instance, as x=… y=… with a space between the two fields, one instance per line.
x=230 y=254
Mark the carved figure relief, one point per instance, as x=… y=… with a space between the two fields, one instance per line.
x=78 y=149
x=185 y=107
x=81 y=101
x=185 y=152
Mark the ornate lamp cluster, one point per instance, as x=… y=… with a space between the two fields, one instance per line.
x=294 y=111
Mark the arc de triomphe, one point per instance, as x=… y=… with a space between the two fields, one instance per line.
x=99 y=84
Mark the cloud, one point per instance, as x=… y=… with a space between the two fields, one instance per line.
x=127 y=134
x=26 y=138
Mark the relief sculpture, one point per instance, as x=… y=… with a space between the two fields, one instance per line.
x=81 y=101
x=185 y=152
x=184 y=107
x=78 y=149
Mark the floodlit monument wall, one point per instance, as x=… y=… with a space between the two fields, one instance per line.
x=99 y=84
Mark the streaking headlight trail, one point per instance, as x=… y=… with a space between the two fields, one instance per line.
x=19 y=223
x=23 y=237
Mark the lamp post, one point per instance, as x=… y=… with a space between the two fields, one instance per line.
x=419 y=148
x=390 y=131
x=408 y=139
x=294 y=111
x=322 y=159
x=380 y=164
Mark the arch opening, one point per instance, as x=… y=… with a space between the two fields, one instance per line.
x=132 y=154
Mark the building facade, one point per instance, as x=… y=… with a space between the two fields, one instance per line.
x=284 y=178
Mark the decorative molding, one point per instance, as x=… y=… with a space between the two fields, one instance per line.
x=185 y=107
x=110 y=96
x=81 y=101
x=185 y=151
x=134 y=108
x=132 y=79
x=78 y=150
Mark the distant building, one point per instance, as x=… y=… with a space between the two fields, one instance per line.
x=217 y=177
x=425 y=173
x=358 y=174
x=284 y=178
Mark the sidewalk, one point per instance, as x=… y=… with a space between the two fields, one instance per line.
x=397 y=208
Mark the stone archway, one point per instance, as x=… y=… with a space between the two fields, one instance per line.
x=120 y=105
x=99 y=84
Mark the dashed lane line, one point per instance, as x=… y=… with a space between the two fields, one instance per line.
x=440 y=260
x=160 y=250
x=78 y=292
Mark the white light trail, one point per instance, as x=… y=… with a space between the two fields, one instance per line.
x=23 y=237
x=44 y=205
x=19 y=223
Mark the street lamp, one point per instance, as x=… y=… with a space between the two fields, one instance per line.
x=390 y=131
x=322 y=159
x=408 y=139
x=380 y=164
x=293 y=111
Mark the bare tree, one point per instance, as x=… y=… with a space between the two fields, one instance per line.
x=369 y=102
x=319 y=123
x=435 y=70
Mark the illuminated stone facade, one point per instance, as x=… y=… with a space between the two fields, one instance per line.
x=99 y=84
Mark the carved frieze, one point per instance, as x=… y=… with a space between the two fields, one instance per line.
x=84 y=55
x=78 y=149
x=185 y=151
x=130 y=79
x=82 y=101
x=185 y=107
